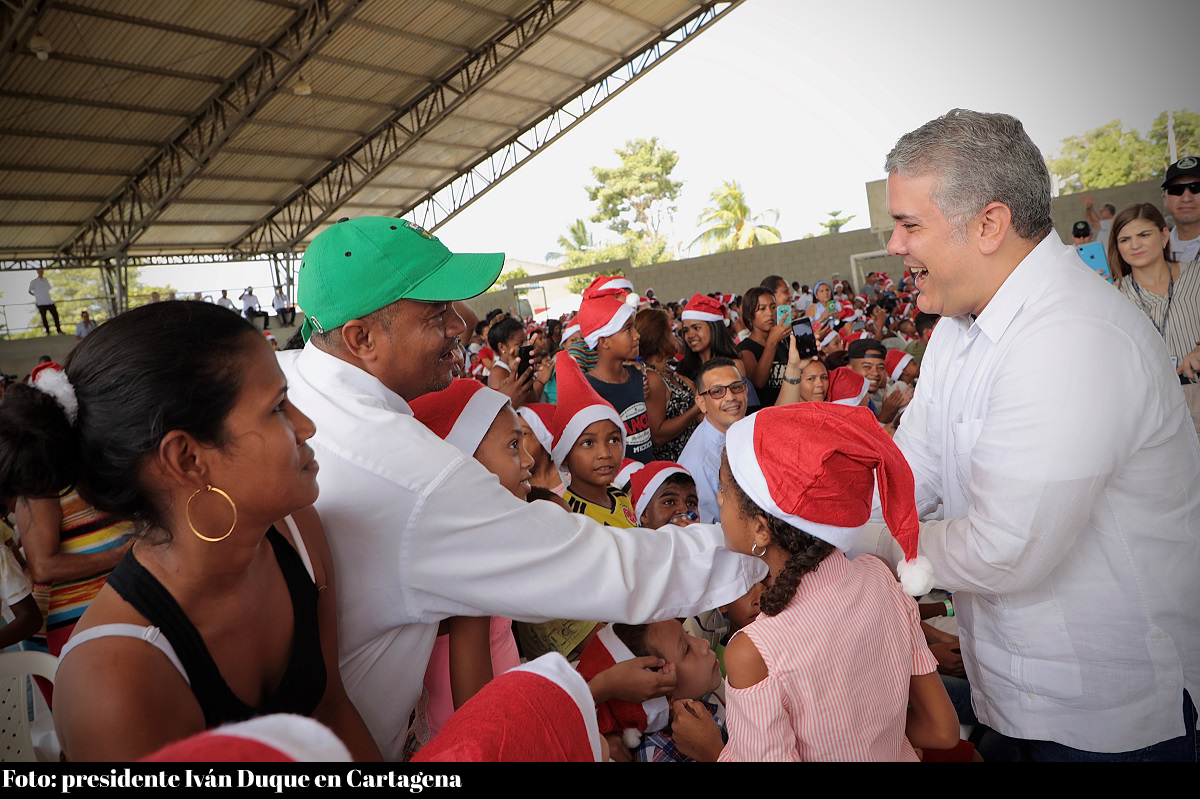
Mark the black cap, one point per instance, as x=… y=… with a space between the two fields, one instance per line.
x=1081 y=229
x=866 y=348
x=1188 y=165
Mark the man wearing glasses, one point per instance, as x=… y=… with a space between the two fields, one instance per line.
x=1181 y=195
x=721 y=397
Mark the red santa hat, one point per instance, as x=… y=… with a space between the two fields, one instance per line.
x=895 y=361
x=849 y=335
x=646 y=481
x=569 y=329
x=540 y=418
x=846 y=387
x=604 y=311
x=629 y=467
x=278 y=738
x=539 y=712
x=609 y=282
x=616 y=715
x=461 y=414
x=578 y=406
x=704 y=309
x=825 y=342
x=816 y=466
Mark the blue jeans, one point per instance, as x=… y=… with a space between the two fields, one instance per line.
x=1184 y=749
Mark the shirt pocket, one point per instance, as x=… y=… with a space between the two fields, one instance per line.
x=963 y=436
x=1035 y=641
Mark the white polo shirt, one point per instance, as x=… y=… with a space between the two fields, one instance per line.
x=420 y=531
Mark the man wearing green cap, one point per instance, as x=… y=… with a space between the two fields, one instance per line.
x=420 y=531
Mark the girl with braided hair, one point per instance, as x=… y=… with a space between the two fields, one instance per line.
x=836 y=666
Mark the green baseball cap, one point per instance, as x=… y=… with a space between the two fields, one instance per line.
x=361 y=265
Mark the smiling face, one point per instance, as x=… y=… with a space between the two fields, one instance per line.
x=697 y=335
x=697 y=671
x=938 y=255
x=416 y=346
x=723 y=412
x=1141 y=243
x=873 y=368
x=502 y=452
x=596 y=457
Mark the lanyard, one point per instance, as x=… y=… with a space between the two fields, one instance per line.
x=1162 y=329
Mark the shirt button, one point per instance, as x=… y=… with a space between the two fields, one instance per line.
x=1157 y=634
x=1031 y=695
x=1170 y=686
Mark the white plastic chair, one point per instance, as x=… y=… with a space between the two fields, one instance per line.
x=16 y=744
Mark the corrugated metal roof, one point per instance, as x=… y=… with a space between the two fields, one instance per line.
x=126 y=78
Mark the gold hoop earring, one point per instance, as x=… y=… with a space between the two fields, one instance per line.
x=752 y=552
x=188 y=513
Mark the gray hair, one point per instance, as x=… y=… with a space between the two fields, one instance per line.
x=979 y=159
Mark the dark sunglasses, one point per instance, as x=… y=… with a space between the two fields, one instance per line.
x=1177 y=189
x=716 y=392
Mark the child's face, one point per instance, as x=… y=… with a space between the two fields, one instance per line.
x=670 y=505
x=623 y=344
x=533 y=446
x=745 y=608
x=502 y=452
x=508 y=348
x=739 y=535
x=911 y=372
x=696 y=668
x=596 y=457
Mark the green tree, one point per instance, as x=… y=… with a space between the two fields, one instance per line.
x=1107 y=156
x=577 y=237
x=640 y=250
x=836 y=222
x=730 y=223
x=512 y=274
x=639 y=195
x=1187 y=136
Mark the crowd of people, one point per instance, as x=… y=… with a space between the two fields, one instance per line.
x=834 y=523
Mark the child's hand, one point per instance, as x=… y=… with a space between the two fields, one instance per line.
x=633 y=680
x=695 y=733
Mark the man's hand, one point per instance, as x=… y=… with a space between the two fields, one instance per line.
x=1190 y=365
x=695 y=733
x=634 y=680
x=949 y=658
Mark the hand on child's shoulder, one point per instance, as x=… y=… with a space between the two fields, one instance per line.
x=694 y=731
x=744 y=666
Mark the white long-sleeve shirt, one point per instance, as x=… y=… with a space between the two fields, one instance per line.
x=1054 y=430
x=420 y=531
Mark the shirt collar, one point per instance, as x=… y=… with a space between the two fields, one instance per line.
x=1016 y=290
x=328 y=372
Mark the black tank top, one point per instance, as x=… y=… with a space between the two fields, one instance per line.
x=303 y=682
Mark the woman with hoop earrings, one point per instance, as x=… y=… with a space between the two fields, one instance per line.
x=175 y=416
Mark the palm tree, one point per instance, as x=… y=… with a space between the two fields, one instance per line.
x=575 y=239
x=730 y=224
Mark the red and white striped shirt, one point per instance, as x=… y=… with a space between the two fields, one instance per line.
x=839 y=659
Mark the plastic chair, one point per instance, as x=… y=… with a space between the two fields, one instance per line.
x=16 y=744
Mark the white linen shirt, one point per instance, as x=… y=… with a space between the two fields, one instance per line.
x=39 y=287
x=702 y=457
x=420 y=531
x=1071 y=531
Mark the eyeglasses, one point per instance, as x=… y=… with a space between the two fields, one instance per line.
x=1177 y=189
x=716 y=392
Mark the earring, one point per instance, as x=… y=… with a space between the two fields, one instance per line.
x=752 y=552
x=188 y=513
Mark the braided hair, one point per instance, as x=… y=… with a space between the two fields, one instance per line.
x=805 y=552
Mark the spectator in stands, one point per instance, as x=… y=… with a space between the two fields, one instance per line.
x=823 y=303
x=705 y=335
x=283 y=309
x=764 y=353
x=1046 y=523
x=721 y=395
x=924 y=324
x=39 y=287
x=412 y=514
x=1167 y=292
x=251 y=308
x=1099 y=224
x=84 y=326
x=225 y=302
x=189 y=433
x=1181 y=195
x=803 y=299
x=1081 y=233
x=670 y=399
x=779 y=287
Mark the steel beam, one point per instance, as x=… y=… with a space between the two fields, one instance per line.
x=450 y=197
x=168 y=171
x=16 y=25
x=284 y=229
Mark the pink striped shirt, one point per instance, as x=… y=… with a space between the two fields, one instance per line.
x=839 y=659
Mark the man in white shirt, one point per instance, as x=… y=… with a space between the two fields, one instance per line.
x=419 y=530
x=39 y=287
x=225 y=302
x=1181 y=195
x=283 y=309
x=721 y=396
x=84 y=326
x=1071 y=526
x=251 y=309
